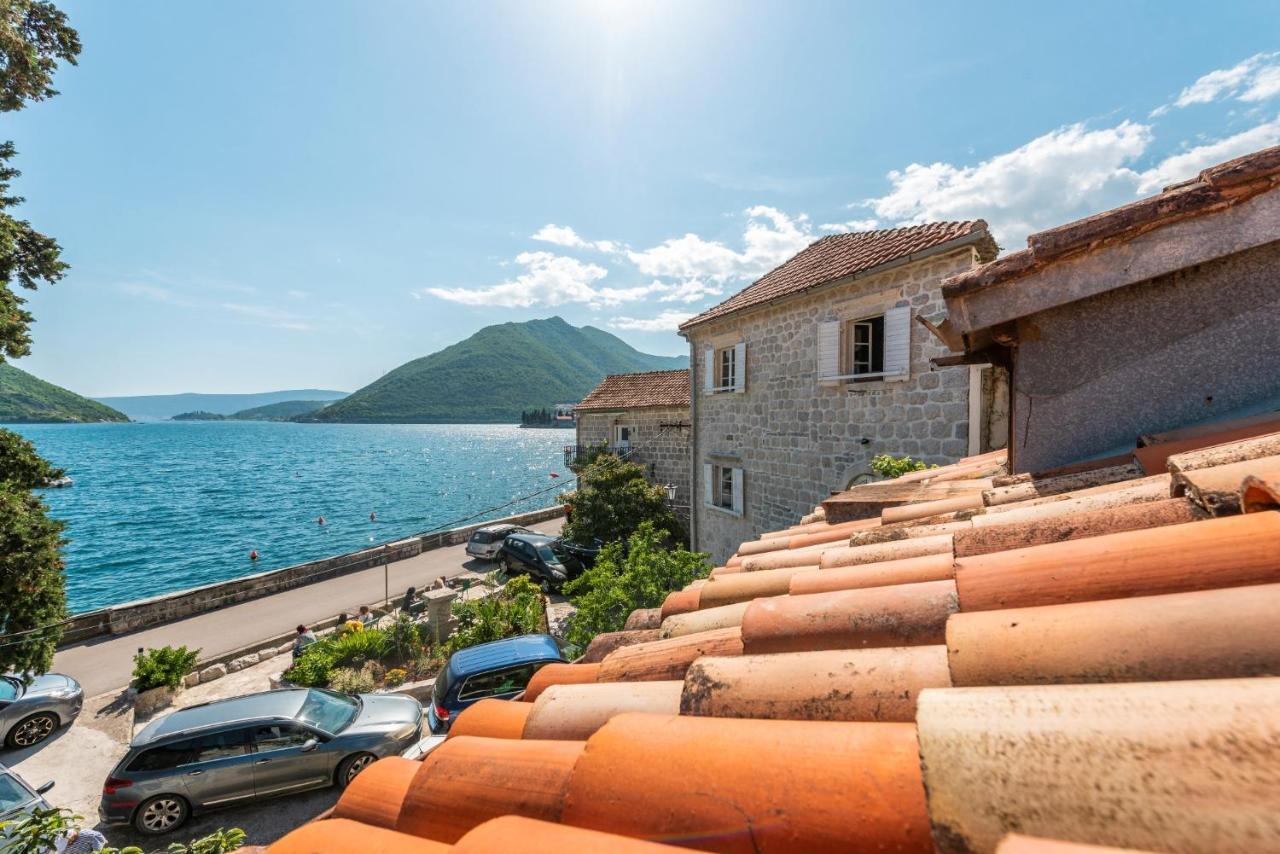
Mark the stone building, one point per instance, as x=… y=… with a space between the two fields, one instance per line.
x=1161 y=313
x=816 y=367
x=644 y=417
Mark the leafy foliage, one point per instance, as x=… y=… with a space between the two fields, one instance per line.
x=494 y=374
x=24 y=398
x=34 y=37
x=404 y=637
x=513 y=609
x=396 y=676
x=624 y=579
x=613 y=500
x=313 y=668
x=320 y=662
x=348 y=680
x=887 y=466
x=163 y=667
x=357 y=647
x=39 y=832
x=219 y=842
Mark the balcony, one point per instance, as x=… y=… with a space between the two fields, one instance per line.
x=579 y=455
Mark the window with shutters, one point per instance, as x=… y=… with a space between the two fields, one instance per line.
x=866 y=349
x=864 y=346
x=724 y=488
x=726 y=368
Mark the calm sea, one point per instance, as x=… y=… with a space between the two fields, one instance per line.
x=158 y=507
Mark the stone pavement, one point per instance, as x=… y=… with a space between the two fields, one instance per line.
x=105 y=664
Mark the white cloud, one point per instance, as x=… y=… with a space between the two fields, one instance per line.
x=563 y=235
x=1254 y=79
x=667 y=321
x=852 y=225
x=1052 y=179
x=770 y=237
x=548 y=279
x=1181 y=167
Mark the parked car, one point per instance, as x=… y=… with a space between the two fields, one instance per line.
x=30 y=713
x=499 y=669
x=18 y=799
x=584 y=554
x=253 y=747
x=541 y=557
x=487 y=541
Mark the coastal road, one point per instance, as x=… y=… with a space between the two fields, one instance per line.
x=106 y=663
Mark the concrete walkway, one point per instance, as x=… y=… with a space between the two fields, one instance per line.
x=106 y=663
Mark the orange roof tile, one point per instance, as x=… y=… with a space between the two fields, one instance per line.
x=637 y=391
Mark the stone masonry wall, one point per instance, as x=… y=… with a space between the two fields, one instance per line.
x=661 y=438
x=797 y=440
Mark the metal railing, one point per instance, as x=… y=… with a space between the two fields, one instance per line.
x=574 y=454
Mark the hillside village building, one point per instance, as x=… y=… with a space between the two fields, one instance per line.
x=815 y=368
x=644 y=417
x=1141 y=319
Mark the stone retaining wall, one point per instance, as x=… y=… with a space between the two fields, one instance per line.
x=143 y=613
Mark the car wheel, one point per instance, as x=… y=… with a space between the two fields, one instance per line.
x=31 y=730
x=351 y=767
x=505 y=565
x=160 y=815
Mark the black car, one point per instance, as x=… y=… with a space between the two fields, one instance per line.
x=539 y=556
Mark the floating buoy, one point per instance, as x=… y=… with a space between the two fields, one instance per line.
x=320 y=521
x=253 y=554
x=554 y=474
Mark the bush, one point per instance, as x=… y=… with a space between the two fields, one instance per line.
x=514 y=609
x=404 y=637
x=357 y=647
x=348 y=680
x=890 y=467
x=622 y=580
x=612 y=500
x=163 y=667
x=219 y=842
x=313 y=668
x=396 y=676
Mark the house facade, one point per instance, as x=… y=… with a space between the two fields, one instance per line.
x=644 y=418
x=820 y=365
x=1137 y=320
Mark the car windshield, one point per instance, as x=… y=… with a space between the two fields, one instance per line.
x=546 y=553
x=328 y=710
x=9 y=689
x=12 y=793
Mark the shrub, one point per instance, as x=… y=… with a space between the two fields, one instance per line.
x=163 y=667
x=313 y=669
x=425 y=664
x=351 y=626
x=514 y=609
x=611 y=502
x=396 y=676
x=358 y=647
x=218 y=842
x=622 y=580
x=404 y=637
x=890 y=467
x=348 y=680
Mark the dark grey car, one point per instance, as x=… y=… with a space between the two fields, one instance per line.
x=18 y=799
x=30 y=713
x=250 y=748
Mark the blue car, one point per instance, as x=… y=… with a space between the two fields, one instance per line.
x=498 y=669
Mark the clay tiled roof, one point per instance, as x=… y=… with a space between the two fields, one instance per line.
x=633 y=391
x=1215 y=189
x=1042 y=660
x=839 y=256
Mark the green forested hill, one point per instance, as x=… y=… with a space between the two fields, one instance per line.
x=27 y=399
x=285 y=410
x=496 y=373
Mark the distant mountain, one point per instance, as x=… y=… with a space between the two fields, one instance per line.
x=285 y=410
x=155 y=406
x=495 y=374
x=28 y=399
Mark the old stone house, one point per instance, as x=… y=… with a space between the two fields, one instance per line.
x=644 y=417
x=1158 y=314
x=809 y=372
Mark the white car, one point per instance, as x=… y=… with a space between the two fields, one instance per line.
x=487 y=541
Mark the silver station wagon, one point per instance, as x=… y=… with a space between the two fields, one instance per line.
x=253 y=747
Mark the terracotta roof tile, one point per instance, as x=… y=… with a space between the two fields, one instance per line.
x=635 y=391
x=842 y=255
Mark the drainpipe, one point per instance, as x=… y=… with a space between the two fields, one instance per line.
x=975 y=409
x=693 y=447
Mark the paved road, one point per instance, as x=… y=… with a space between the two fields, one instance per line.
x=104 y=664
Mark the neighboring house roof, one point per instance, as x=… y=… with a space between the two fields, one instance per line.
x=840 y=256
x=633 y=391
x=920 y=687
x=1220 y=191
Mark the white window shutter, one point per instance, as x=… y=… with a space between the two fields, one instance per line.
x=708 y=496
x=740 y=367
x=737 y=491
x=708 y=369
x=897 y=343
x=828 y=350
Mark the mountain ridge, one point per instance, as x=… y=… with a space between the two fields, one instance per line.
x=494 y=374
x=160 y=406
x=27 y=399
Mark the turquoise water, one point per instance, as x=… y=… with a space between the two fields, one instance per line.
x=158 y=507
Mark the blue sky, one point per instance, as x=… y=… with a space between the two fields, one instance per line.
x=307 y=194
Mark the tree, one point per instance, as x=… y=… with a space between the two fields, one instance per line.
x=34 y=37
x=612 y=500
x=622 y=580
